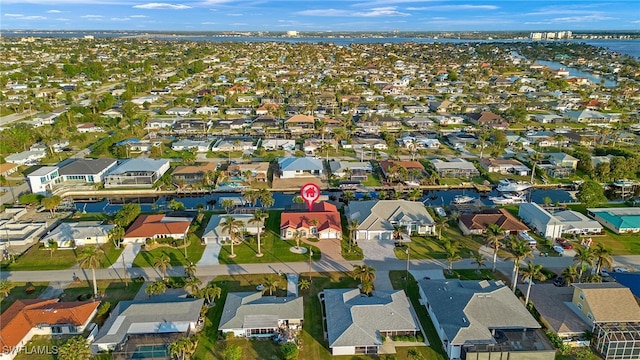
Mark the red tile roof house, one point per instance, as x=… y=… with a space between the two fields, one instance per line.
x=328 y=224
x=476 y=224
x=26 y=318
x=155 y=227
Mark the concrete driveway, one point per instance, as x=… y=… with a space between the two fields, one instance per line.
x=377 y=250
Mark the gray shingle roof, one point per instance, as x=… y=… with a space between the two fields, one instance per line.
x=356 y=320
x=249 y=309
x=86 y=166
x=469 y=310
x=139 y=165
x=378 y=214
x=303 y=163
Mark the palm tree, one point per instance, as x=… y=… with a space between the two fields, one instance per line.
x=535 y=159
x=270 y=284
x=183 y=348
x=192 y=285
x=363 y=273
x=116 y=234
x=6 y=286
x=441 y=223
x=570 y=274
x=259 y=218
x=266 y=198
x=584 y=256
x=190 y=269
x=451 y=253
x=162 y=262
x=478 y=259
x=367 y=287
x=603 y=257
x=53 y=246
x=227 y=204
x=90 y=259
x=251 y=196
x=233 y=227
x=156 y=288
x=495 y=235
x=211 y=292
x=304 y=284
x=353 y=231
x=297 y=236
x=397 y=232
x=530 y=273
x=520 y=250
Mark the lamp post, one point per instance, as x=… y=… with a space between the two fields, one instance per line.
x=407 y=275
x=310 y=255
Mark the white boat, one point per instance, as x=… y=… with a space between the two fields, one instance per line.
x=507 y=199
x=463 y=199
x=508 y=185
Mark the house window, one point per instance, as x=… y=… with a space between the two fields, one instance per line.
x=289 y=233
x=580 y=307
x=313 y=230
x=590 y=316
x=581 y=296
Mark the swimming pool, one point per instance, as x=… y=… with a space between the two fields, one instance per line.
x=151 y=352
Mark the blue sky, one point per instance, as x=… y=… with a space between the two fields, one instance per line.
x=312 y=15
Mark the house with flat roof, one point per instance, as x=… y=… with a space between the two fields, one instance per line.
x=27 y=318
x=152 y=318
x=358 y=324
x=157 y=226
x=474 y=318
x=70 y=235
x=139 y=173
x=41 y=181
x=322 y=222
x=456 y=168
x=618 y=220
x=18 y=231
x=201 y=146
x=251 y=314
x=477 y=223
x=294 y=167
x=377 y=218
x=214 y=232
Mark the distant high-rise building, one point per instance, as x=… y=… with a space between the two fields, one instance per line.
x=292 y=33
x=535 y=36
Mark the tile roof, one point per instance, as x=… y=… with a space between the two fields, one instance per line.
x=244 y=309
x=157 y=224
x=378 y=215
x=299 y=118
x=23 y=315
x=500 y=217
x=327 y=215
x=386 y=164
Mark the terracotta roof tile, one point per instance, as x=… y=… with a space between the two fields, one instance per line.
x=152 y=225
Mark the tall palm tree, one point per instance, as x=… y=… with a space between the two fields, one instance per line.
x=270 y=284
x=192 y=285
x=603 y=257
x=211 y=292
x=397 y=232
x=190 y=269
x=162 y=262
x=266 y=198
x=367 y=287
x=520 y=250
x=233 y=227
x=259 y=218
x=530 y=273
x=584 y=256
x=495 y=236
x=90 y=259
x=53 y=246
x=6 y=286
x=479 y=260
x=183 y=348
x=451 y=249
x=535 y=159
x=441 y=223
x=570 y=274
x=363 y=273
x=156 y=288
x=353 y=231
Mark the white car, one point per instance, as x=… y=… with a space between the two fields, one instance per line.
x=620 y=270
x=559 y=249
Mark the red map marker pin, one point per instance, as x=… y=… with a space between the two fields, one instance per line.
x=310 y=193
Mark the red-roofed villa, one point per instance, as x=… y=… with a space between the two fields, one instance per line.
x=323 y=222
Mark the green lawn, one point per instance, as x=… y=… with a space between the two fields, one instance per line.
x=372 y=180
x=177 y=255
x=471 y=274
x=435 y=350
x=39 y=258
x=429 y=247
x=42 y=348
x=273 y=248
x=350 y=252
x=19 y=292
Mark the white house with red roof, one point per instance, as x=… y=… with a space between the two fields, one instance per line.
x=322 y=222
x=157 y=226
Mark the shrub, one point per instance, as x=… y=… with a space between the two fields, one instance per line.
x=289 y=351
x=30 y=289
x=103 y=308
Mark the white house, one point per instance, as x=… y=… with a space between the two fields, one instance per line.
x=201 y=146
x=214 y=232
x=42 y=180
x=70 y=235
x=377 y=218
x=291 y=167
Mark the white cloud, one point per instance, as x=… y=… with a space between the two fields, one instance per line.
x=208 y=23
x=62 y=19
x=54 y=11
x=454 y=7
x=374 y=12
x=92 y=16
x=162 y=6
x=138 y=16
x=13 y=15
x=580 y=19
x=120 y=19
x=234 y=14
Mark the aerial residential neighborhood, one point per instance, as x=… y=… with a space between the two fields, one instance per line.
x=478 y=199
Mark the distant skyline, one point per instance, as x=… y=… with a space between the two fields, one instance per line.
x=311 y=15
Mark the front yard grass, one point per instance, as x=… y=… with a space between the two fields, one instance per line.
x=272 y=246
x=178 y=256
x=429 y=247
x=471 y=274
x=19 y=292
x=40 y=258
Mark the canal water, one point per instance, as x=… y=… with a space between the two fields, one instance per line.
x=573 y=72
x=284 y=200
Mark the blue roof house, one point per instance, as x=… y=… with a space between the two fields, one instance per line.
x=292 y=167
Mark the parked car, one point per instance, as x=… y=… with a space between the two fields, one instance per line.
x=564 y=243
x=559 y=249
x=620 y=269
x=567 y=246
x=559 y=281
